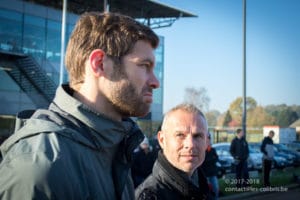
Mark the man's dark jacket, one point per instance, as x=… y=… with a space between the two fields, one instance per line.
x=267 y=148
x=167 y=182
x=239 y=149
x=209 y=165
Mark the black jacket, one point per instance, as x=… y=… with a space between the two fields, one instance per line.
x=209 y=166
x=239 y=149
x=167 y=182
x=267 y=148
x=142 y=165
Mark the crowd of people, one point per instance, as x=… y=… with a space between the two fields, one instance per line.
x=86 y=146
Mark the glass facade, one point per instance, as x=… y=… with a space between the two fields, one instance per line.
x=26 y=28
x=156 y=111
x=32 y=32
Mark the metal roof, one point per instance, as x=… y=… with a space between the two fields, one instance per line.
x=152 y=10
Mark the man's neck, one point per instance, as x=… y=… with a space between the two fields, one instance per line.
x=98 y=106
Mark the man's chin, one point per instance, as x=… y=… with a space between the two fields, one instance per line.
x=138 y=113
x=144 y=114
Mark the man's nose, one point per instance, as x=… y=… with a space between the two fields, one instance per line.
x=153 y=81
x=189 y=141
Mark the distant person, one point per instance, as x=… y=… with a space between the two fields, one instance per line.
x=143 y=161
x=240 y=152
x=183 y=142
x=81 y=147
x=210 y=169
x=267 y=148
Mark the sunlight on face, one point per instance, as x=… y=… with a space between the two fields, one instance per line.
x=183 y=140
x=131 y=89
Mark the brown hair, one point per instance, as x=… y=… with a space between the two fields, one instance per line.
x=114 y=33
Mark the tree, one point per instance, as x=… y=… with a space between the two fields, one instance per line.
x=258 y=117
x=227 y=118
x=212 y=117
x=283 y=115
x=296 y=108
x=286 y=117
x=220 y=120
x=198 y=97
x=236 y=108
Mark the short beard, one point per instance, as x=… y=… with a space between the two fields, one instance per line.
x=125 y=98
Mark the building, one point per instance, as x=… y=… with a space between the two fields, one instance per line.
x=282 y=135
x=30 y=48
x=296 y=125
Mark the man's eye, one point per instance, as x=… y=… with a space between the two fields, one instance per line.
x=198 y=135
x=180 y=135
x=145 y=65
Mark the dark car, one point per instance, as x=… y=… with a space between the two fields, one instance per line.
x=225 y=158
x=294 y=146
x=289 y=157
x=294 y=154
x=279 y=161
x=254 y=161
x=221 y=169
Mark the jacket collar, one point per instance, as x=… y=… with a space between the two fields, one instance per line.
x=107 y=131
x=178 y=179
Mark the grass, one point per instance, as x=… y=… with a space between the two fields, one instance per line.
x=278 y=178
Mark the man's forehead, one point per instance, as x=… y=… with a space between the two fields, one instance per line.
x=181 y=121
x=189 y=128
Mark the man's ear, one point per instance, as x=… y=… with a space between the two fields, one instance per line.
x=161 y=138
x=96 y=61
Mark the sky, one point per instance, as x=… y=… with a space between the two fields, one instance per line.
x=207 y=51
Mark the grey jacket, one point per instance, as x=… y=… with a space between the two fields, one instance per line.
x=69 y=152
x=267 y=148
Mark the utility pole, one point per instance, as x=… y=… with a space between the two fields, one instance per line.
x=244 y=120
x=62 y=48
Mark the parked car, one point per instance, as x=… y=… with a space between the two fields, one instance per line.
x=254 y=160
x=279 y=161
x=295 y=155
x=294 y=146
x=225 y=160
x=289 y=157
x=221 y=170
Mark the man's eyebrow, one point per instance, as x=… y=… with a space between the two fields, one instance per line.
x=145 y=60
x=178 y=130
x=199 y=133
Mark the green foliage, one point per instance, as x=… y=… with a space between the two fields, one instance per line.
x=259 y=116
x=236 y=108
x=284 y=115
